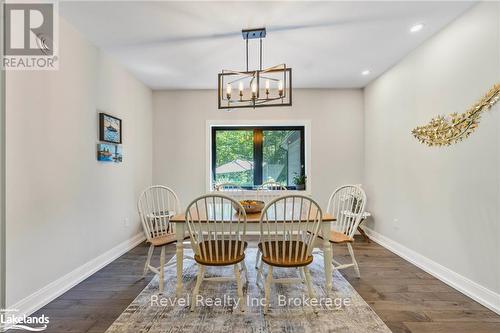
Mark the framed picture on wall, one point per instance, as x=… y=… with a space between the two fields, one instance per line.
x=110 y=128
x=107 y=152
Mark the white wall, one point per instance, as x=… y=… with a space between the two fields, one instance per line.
x=445 y=200
x=63 y=207
x=180 y=146
x=2 y=177
x=498 y=170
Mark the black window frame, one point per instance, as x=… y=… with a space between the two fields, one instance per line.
x=258 y=152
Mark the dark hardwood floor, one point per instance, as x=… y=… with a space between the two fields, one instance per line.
x=405 y=297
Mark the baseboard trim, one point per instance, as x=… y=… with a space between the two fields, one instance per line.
x=55 y=289
x=480 y=294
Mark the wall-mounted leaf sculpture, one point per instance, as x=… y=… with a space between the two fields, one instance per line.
x=445 y=130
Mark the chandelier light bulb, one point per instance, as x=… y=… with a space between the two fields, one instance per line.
x=280 y=88
x=254 y=90
x=240 y=88
x=229 y=88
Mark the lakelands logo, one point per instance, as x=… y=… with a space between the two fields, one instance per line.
x=30 y=35
x=11 y=319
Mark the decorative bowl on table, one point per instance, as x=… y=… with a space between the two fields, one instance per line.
x=252 y=206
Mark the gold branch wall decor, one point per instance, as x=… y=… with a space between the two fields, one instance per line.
x=445 y=130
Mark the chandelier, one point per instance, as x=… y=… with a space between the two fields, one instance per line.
x=267 y=87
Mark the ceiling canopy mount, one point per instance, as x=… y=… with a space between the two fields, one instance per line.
x=253 y=33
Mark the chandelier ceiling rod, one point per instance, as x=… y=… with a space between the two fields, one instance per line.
x=247 y=35
x=261 y=53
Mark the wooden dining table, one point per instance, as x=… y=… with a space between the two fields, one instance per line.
x=253 y=221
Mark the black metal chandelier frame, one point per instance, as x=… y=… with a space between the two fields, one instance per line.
x=256 y=101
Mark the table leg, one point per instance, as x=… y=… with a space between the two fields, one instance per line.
x=179 y=253
x=327 y=254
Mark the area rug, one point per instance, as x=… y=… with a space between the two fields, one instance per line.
x=343 y=310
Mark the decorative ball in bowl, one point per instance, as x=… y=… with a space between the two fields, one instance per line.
x=252 y=206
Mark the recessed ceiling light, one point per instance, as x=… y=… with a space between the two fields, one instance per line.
x=365 y=72
x=416 y=27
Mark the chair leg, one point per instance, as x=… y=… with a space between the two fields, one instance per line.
x=302 y=275
x=244 y=270
x=351 y=252
x=310 y=289
x=260 y=272
x=148 y=260
x=267 y=288
x=199 y=279
x=162 y=269
x=257 y=258
x=240 y=287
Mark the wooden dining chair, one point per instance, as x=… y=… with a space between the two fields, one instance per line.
x=266 y=192
x=227 y=186
x=217 y=227
x=271 y=185
x=288 y=244
x=347 y=204
x=156 y=205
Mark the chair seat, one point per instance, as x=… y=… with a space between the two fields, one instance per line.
x=164 y=239
x=285 y=253
x=338 y=237
x=216 y=252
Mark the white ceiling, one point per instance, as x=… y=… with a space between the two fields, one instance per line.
x=183 y=45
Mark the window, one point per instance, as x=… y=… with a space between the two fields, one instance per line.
x=249 y=156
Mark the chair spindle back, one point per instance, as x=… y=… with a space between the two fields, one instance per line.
x=347 y=204
x=217 y=227
x=271 y=186
x=228 y=187
x=292 y=240
x=156 y=205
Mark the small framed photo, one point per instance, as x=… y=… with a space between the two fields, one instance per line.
x=110 y=128
x=107 y=152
